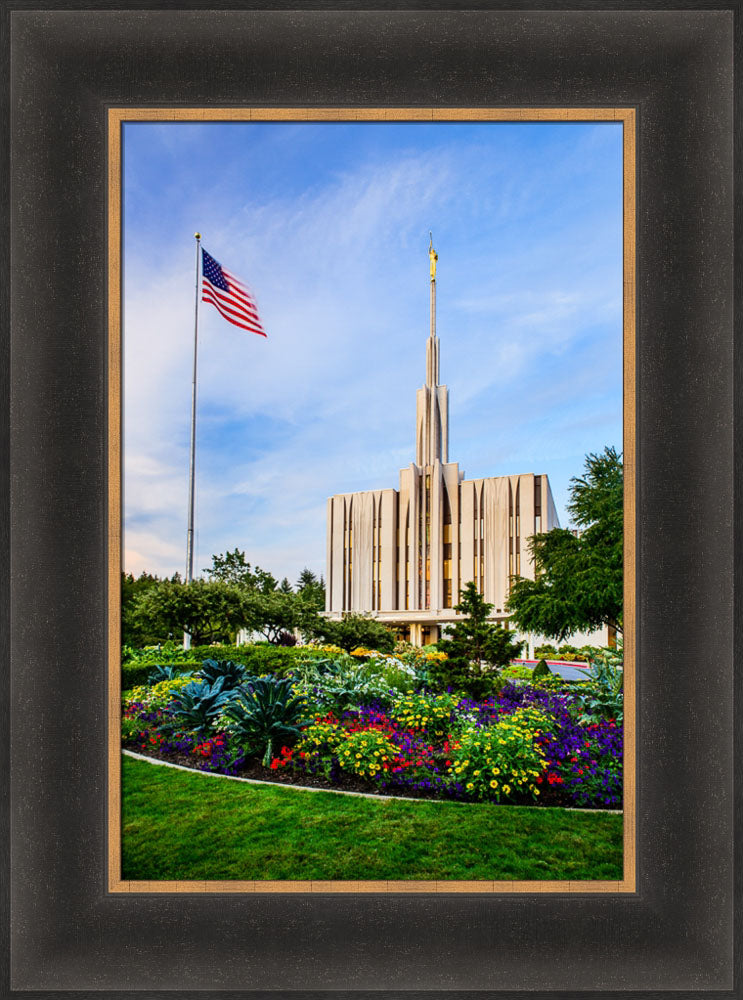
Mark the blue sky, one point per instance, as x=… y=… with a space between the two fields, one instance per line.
x=328 y=224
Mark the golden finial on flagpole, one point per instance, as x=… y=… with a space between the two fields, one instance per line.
x=433 y=257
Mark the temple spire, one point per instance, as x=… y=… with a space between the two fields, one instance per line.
x=432 y=400
x=432 y=347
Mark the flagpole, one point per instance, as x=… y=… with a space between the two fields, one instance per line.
x=192 y=462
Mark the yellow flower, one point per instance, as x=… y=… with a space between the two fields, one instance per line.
x=493 y=783
x=470 y=786
x=507 y=789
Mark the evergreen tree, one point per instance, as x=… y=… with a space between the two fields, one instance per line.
x=311 y=590
x=476 y=649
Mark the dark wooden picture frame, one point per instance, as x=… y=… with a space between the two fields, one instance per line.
x=67 y=68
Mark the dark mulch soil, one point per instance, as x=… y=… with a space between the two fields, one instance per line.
x=549 y=795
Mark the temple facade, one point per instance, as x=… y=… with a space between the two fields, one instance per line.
x=404 y=554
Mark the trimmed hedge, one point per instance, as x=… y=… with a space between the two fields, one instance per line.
x=259 y=658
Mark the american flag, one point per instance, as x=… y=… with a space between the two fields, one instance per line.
x=229 y=295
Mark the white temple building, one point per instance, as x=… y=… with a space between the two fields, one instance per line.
x=404 y=554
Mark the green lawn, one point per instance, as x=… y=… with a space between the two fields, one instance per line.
x=190 y=827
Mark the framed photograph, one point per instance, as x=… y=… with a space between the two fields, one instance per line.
x=93 y=98
x=371 y=718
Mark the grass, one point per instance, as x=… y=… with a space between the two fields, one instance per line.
x=190 y=827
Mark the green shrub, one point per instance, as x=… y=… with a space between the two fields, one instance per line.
x=258 y=658
x=262 y=658
x=548 y=682
x=265 y=714
x=134 y=674
x=546 y=652
x=565 y=652
x=541 y=669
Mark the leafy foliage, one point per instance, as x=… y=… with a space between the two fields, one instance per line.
x=165 y=673
x=155 y=696
x=579 y=579
x=232 y=674
x=196 y=706
x=341 y=683
x=233 y=569
x=266 y=714
x=602 y=697
x=272 y=614
x=208 y=610
x=164 y=652
x=234 y=596
x=135 y=632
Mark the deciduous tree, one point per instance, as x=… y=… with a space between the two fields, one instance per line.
x=356 y=630
x=579 y=578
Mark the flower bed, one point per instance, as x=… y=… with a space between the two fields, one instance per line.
x=523 y=746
